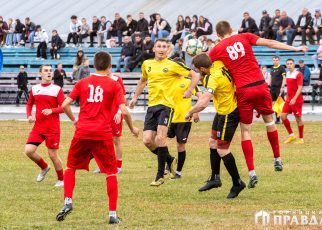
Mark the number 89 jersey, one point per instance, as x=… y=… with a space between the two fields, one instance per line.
x=237 y=54
x=97 y=95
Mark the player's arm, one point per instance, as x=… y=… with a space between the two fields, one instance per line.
x=193 y=84
x=128 y=120
x=67 y=109
x=58 y=109
x=139 y=89
x=283 y=83
x=201 y=104
x=196 y=116
x=29 y=105
x=279 y=45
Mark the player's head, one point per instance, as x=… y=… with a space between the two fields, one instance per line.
x=290 y=64
x=223 y=29
x=301 y=63
x=202 y=64
x=161 y=48
x=22 y=69
x=276 y=60
x=102 y=61
x=46 y=73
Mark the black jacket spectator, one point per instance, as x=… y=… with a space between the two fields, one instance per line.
x=137 y=54
x=302 y=24
x=152 y=21
x=59 y=76
x=143 y=26
x=19 y=27
x=180 y=25
x=248 y=25
x=22 y=82
x=117 y=28
x=147 y=48
x=56 y=44
x=265 y=29
x=127 y=49
x=93 y=30
x=131 y=26
x=119 y=24
x=22 y=79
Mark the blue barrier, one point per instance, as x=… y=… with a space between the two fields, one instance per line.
x=1 y=60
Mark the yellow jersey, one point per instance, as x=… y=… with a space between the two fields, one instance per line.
x=220 y=84
x=182 y=105
x=162 y=77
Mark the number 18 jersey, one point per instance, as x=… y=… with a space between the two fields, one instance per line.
x=237 y=55
x=97 y=94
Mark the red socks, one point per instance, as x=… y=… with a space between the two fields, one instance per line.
x=273 y=140
x=119 y=163
x=60 y=174
x=287 y=125
x=42 y=164
x=301 y=131
x=69 y=183
x=248 y=150
x=112 y=192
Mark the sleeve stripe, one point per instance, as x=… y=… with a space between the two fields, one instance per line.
x=182 y=65
x=206 y=82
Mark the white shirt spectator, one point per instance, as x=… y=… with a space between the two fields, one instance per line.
x=73 y=28
x=42 y=36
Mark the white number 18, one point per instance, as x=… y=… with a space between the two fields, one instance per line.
x=97 y=96
x=235 y=49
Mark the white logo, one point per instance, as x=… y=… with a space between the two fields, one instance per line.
x=166 y=120
x=184 y=139
x=265 y=217
x=55 y=144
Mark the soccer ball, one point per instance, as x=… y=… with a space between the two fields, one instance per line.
x=194 y=47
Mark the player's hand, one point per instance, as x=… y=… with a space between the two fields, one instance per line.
x=47 y=112
x=188 y=116
x=75 y=122
x=292 y=101
x=117 y=118
x=135 y=131
x=302 y=49
x=187 y=94
x=132 y=103
x=196 y=117
x=31 y=119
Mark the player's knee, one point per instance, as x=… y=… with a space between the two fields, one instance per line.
x=148 y=142
x=181 y=147
x=117 y=141
x=29 y=151
x=161 y=140
x=212 y=143
x=283 y=116
x=223 y=152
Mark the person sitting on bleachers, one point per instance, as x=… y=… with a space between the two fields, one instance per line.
x=93 y=30
x=286 y=27
x=147 y=48
x=3 y=32
x=136 y=56
x=305 y=72
x=131 y=26
x=179 y=29
x=18 y=31
x=316 y=86
x=10 y=33
x=275 y=23
x=302 y=27
x=205 y=27
x=317 y=57
x=194 y=23
x=56 y=44
x=177 y=51
x=186 y=27
x=74 y=28
x=102 y=30
x=83 y=32
x=126 y=53
x=28 y=33
x=22 y=82
x=84 y=70
x=315 y=26
x=42 y=36
x=79 y=60
x=117 y=28
x=59 y=75
x=265 y=28
x=143 y=26
x=161 y=28
x=248 y=25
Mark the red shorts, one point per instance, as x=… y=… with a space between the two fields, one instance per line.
x=82 y=151
x=52 y=139
x=117 y=128
x=296 y=109
x=253 y=98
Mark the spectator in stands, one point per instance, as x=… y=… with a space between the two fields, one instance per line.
x=117 y=28
x=29 y=32
x=286 y=27
x=315 y=26
x=147 y=48
x=83 y=32
x=210 y=44
x=56 y=44
x=102 y=30
x=84 y=70
x=265 y=29
x=19 y=29
x=79 y=60
x=3 y=32
x=93 y=30
x=187 y=26
x=74 y=28
x=131 y=26
x=22 y=82
x=205 y=27
x=306 y=73
x=42 y=36
x=266 y=74
x=143 y=26
x=10 y=33
x=59 y=75
x=317 y=58
x=194 y=24
x=126 y=53
x=161 y=28
x=180 y=25
x=318 y=85
x=275 y=23
x=177 y=51
x=152 y=22
x=136 y=56
x=302 y=27
x=248 y=25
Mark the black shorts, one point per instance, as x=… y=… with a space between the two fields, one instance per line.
x=157 y=115
x=275 y=92
x=180 y=130
x=224 y=126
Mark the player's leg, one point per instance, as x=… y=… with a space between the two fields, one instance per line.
x=119 y=152
x=149 y=141
x=150 y=130
x=287 y=124
x=300 y=125
x=55 y=158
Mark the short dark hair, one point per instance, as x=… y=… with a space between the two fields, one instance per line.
x=73 y=17
x=201 y=60
x=102 y=60
x=42 y=66
x=223 y=28
x=290 y=59
x=276 y=57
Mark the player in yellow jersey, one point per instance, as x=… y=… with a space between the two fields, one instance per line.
x=179 y=127
x=161 y=74
x=220 y=87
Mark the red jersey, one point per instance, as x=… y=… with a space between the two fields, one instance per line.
x=237 y=54
x=120 y=81
x=97 y=94
x=293 y=81
x=46 y=96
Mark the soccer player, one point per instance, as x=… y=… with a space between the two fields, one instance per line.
x=93 y=137
x=294 y=101
x=252 y=93
x=48 y=99
x=161 y=75
x=179 y=127
x=220 y=87
x=277 y=82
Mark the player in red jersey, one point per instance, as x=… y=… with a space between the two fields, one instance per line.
x=252 y=93
x=93 y=137
x=294 y=101
x=48 y=99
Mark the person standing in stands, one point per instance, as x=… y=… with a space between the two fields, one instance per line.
x=22 y=82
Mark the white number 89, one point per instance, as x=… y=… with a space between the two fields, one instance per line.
x=235 y=49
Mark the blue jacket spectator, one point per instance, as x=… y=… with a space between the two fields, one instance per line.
x=306 y=73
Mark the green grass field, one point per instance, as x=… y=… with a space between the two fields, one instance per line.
x=26 y=204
